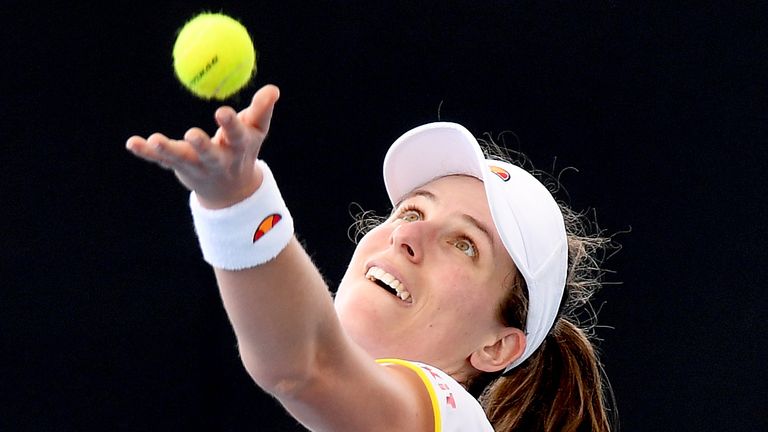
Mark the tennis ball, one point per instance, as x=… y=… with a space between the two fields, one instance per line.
x=214 y=56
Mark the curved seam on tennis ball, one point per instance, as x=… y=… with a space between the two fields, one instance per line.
x=196 y=78
x=227 y=77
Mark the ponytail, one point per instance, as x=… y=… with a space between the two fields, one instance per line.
x=562 y=387
x=559 y=388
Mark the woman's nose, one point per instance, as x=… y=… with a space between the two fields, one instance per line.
x=409 y=239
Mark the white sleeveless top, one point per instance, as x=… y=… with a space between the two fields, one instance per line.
x=454 y=409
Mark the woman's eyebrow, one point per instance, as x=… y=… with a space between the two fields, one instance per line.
x=480 y=226
x=419 y=192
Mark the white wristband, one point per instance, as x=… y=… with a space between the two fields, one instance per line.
x=248 y=233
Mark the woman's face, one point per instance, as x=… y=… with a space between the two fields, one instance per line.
x=426 y=284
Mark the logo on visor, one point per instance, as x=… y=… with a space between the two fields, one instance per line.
x=267 y=224
x=501 y=172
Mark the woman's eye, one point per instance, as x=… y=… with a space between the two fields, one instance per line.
x=466 y=246
x=410 y=216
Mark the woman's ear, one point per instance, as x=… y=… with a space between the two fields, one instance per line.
x=506 y=348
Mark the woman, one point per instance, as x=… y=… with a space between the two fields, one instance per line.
x=458 y=294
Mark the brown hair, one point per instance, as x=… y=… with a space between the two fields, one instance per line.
x=562 y=386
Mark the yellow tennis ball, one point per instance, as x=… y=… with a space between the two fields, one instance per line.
x=214 y=56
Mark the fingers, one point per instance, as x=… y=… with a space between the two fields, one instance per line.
x=144 y=149
x=232 y=132
x=135 y=144
x=202 y=145
x=251 y=125
x=259 y=113
x=239 y=135
x=168 y=153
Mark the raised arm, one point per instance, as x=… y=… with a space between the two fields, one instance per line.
x=288 y=334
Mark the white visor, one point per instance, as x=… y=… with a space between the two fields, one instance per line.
x=524 y=212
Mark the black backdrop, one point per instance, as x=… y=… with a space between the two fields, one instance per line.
x=110 y=320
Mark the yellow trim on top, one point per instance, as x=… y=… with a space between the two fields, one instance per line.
x=427 y=383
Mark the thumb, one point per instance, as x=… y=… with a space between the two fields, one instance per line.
x=259 y=114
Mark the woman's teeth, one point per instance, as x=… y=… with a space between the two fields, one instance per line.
x=376 y=274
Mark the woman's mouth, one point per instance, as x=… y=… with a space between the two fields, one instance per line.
x=389 y=283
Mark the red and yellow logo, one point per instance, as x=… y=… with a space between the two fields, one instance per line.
x=267 y=224
x=501 y=172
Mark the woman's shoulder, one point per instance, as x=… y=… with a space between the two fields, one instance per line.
x=454 y=409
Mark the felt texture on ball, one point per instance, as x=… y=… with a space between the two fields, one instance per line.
x=213 y=56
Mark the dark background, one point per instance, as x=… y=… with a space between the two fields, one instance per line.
x=111 y=321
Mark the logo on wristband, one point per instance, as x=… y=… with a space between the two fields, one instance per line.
x=267 y=224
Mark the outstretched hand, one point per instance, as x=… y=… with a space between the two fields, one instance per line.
x=220 y=169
